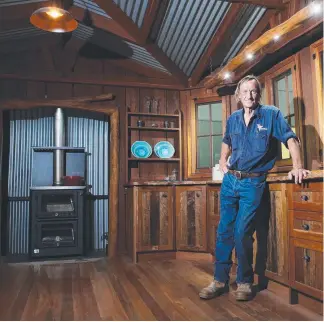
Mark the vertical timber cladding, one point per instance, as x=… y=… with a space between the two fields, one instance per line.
x=191 y=218
x=35 y=127
x=155 y=226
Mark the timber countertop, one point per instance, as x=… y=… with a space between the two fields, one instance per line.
x=316 y=174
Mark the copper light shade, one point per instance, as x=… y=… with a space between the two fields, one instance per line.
x=54 y=20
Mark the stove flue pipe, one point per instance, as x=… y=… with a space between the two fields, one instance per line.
x=59 y=142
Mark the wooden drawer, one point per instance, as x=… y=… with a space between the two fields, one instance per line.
x=306 y=225
x=306 y=267
x=307 y=196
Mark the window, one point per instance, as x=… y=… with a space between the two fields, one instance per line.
x=209 y=134
x=284 y=99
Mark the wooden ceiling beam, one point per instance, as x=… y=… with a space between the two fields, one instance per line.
x=297 y=25
x=271 y=4
x=217 y=40
x=113 y=81
x=130 y=27
x=149 y=17
x=102 y=22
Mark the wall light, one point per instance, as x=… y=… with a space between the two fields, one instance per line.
x=276 y=37
x=227 y=75
x=316 y=7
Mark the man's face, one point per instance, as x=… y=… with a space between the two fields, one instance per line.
x=249 y=95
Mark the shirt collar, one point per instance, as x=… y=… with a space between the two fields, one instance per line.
x=257 y=112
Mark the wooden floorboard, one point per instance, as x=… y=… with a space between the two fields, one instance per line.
x=118 y=289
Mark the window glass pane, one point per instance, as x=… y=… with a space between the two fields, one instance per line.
x=203 y=123
x=203 y=152
x=216 y=111
x=282 y=102
x=284 y=99
x=290 y=86
x=203 y=112
x=217 y=144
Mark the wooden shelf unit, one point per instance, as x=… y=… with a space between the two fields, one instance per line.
x=153 y=168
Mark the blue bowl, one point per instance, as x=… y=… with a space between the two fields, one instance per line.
x=164 y=150
x=141 y=149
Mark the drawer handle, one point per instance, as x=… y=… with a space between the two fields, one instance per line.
x=198 y=194
x=164 y=195
x=305 y=198
x=305 y=226
x=216 y=195
x=306 y=258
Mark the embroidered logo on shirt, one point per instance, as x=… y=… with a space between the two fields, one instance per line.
x=261 y=128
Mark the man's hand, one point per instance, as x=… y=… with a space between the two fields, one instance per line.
x=299 y=174
x=223 y=166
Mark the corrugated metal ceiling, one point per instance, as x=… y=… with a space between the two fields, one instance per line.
x=237 y=34
x=92 y=6
x=135 y=9
x=138 y=54
x=187 y=29
x=15 y=34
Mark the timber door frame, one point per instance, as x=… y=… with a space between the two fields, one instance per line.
x=96 y=104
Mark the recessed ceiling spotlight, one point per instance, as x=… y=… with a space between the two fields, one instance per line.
x=276 y=37
x=249 y=56
x=316 y=7
x=227 y=75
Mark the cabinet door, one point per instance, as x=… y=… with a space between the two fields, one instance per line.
x=306 y=267
x=277 y=245
x=155 y=219
x=212 y=217
x=191 y=218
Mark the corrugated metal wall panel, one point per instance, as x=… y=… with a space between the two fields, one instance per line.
x=35 y=127
x=18 y=227
x=92 y=132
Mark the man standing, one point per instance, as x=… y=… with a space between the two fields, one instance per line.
x=251 y=137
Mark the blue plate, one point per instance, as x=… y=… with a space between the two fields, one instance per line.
x=164 y=150
x=141 y=149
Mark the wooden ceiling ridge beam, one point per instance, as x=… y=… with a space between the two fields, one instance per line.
x=214 y=43
x=271 y=4
x=129 y=26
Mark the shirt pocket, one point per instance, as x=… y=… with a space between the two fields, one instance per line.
x=261 y=142
x=235 y=138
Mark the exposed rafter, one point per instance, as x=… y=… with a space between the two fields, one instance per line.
x=272 y=4
x=215 y=42
x=149 y=17
x=102 y=23
x=131 y=28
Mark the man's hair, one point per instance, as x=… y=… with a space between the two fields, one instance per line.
x=246 y=79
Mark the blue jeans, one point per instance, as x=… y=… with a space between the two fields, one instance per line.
x=239 y=201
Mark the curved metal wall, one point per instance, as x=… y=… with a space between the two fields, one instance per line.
x=35 y=127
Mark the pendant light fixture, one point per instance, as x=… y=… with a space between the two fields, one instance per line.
x=53 y=19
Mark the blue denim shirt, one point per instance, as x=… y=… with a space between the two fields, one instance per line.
x=255 y=147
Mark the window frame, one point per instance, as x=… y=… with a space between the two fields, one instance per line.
x=192 y=172
x=292 y=63
x=317 y=77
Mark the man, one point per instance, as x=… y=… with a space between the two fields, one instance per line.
x=251 y=137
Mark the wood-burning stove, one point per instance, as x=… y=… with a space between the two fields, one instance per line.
x=56 y=225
